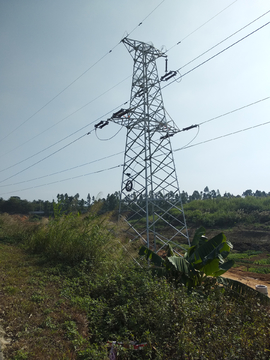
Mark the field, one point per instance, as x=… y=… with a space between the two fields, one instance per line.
x=59 y=302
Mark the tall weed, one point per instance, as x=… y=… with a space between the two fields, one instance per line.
x=16 y=228
x=72 y=239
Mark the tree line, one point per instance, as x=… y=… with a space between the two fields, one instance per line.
x=68 y=204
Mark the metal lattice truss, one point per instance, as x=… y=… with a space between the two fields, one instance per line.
x=150 y=198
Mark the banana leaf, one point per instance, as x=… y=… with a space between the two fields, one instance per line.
x=239 y=289
x=180 y=264
x=198 y=235
x=150 y=255
x=210 y=249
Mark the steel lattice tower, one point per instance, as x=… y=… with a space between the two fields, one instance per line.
x=150 y=197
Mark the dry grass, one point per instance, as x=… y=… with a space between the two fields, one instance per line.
x=33 y=311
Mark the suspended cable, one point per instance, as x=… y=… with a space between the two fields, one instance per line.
x=179 y=42
x=145 y=18
x=191 y=141
x=48 y=147
x=75 y=80
x=182 y=148
x=220 y=52
x=110 y=138
x=205 y=52
x=56 y=96
x=175 y=150
x=65 y=170
x=223 y=136
x=66 y=117
x=46 y=157
x=232 y=111
x=59 y=181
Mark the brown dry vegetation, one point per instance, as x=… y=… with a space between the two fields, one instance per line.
x=42 y=322
x=33 y=311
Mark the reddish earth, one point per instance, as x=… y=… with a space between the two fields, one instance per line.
x=249 y=278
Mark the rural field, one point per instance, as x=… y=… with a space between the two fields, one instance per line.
x=71 y=283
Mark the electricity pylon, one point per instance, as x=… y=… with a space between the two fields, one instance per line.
x=150 y=197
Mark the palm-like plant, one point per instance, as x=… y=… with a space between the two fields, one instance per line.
x=203 y=258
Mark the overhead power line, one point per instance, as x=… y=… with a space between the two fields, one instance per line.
x=46 y=157
x=220 y=52
x=146 y=18
x=232 y=111
x=126 y=102
x=222 y=41
x=88 y=103
x=199 y=64
x=121 y=152
x=104 y=158
x=223 y=136
x=117 y=166
x=179 y=42
x=70 y=178
x=66 y=117
x=65 y=170
x=75 y=80
x=57 y=142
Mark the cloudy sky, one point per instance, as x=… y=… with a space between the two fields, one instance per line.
x=63 y=69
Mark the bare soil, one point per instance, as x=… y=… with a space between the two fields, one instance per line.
x=249 y=278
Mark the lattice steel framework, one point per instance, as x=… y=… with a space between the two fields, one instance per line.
x=150 y=197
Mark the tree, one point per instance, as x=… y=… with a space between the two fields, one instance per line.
x=247 y=193
x=206 y=194
x=88 y=200
x=195 y=196
x=184 y=197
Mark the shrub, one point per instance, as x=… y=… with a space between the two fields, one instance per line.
x=72 y=239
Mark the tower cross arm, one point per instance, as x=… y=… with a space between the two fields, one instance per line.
x=135 y=45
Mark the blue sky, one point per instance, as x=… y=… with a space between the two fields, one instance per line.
x=47 y=45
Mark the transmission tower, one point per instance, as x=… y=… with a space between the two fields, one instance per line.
x=150 y=197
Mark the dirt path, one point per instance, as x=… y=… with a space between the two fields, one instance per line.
x=248 y=278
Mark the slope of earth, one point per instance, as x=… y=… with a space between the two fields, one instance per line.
x=248 y=278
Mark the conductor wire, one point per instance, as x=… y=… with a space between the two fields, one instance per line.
x=110 y=137
x=179 y=42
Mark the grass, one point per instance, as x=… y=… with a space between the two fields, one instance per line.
x=33 y=309
x=56 y=307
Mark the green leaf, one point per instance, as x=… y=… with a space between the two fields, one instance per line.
x=211 y=268
x=170 y=251
x=210 y=249
x=150 y=255
x=198 y=234
x=179 y=263
x=240 y=289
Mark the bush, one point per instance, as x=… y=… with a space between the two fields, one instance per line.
x=132 y=305
x=16 y=228
x=72 y=239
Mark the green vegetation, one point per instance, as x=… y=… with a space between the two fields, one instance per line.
x=228 y=212
x=60 y=302
x=202 y=259
x=205 y=208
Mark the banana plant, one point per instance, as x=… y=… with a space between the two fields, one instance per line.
x=203 y=258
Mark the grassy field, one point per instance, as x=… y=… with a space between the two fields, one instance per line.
x=63 y=304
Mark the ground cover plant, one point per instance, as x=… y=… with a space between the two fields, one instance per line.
x=65 y=309
x=231 y=211
x=252 y=261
